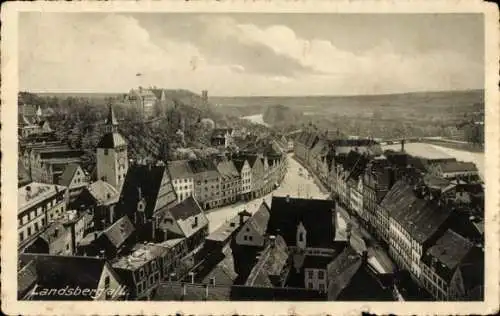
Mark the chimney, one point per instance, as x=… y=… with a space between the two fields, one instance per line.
x=402 y=145
x=206 y=292
x=288 y=198
x=102 y=253
x=272 y=241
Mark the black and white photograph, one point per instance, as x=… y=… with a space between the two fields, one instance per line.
x=257 y=156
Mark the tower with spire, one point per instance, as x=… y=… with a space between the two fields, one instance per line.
x=112 y=156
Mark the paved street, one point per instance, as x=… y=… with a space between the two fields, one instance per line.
x=296 y=183
x=299 y=183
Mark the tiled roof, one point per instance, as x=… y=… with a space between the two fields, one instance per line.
x=421 y=218
x=103 y=192
x=450 y=249
x=341 y=270
x=186 y=209
x=54 y=232
x=224 y=273
x=35 y=192
x=68 y=174
x=399 y=196
x=227 y=169
x=120 y=231
x=271 y=262
x=203 y=166
x=260 y=219
x=58 y=272
x=184 y=212
x=180 y=169
x=112 y=140
x=458 y=166
x=226 y=230
x=145 y=181
x=315 y=215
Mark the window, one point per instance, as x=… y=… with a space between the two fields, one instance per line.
x=321 y=275
x=250 y=238
x=21 y=236
x=310 y=285
x=245 y=237
x=105 y=152
x=310 y=274
x=301 y=237
x=29 y=231
x=36 y=227
x=321 y=286
x=43 y=221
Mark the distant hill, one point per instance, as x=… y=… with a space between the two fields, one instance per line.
x=279 y=114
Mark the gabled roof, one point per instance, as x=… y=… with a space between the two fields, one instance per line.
x=54 y=232
x=119 y=232
x=239 y=163
x=103 y=192
x=316 y=216
x=203 y=166
x=224 y=272
x=420 y=218
x=112 y=140
x=450 y=249
x=145 y=181
x=227 y=169
x=271 y=262
x=180 y=169
x=68 y=174
x=399 y=196
x=186 y=209
x=260 y=219
x=184 y=212
x=57 y=272
x=341 y=270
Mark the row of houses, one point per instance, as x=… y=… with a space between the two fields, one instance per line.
x=417 y=207
x=225 y=180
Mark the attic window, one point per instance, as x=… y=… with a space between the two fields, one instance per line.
x=301 y=237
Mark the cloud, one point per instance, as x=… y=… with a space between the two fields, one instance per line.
x=103 y=52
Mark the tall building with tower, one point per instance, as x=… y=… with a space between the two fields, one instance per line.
x=112 y=157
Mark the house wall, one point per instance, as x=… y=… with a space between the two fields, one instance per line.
x=114 y=284
x=184 y=188
x=315 y=279
x=247 y=236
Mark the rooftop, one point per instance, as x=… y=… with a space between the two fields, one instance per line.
x=180 y=169
x=35 y=192
x=450 y=249
x=316 y=215
x=103 y=192
x=141 y=254
x=112 y=140
x=226 y=230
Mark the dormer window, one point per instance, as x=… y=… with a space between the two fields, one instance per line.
x=195 y=224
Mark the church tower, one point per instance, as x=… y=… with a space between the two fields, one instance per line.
x=112 y=158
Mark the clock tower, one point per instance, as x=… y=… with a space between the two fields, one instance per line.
x=112 y=158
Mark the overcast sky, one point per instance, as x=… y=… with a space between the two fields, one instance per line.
x=251 y=54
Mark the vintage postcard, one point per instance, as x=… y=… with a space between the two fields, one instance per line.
x=250 y=157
